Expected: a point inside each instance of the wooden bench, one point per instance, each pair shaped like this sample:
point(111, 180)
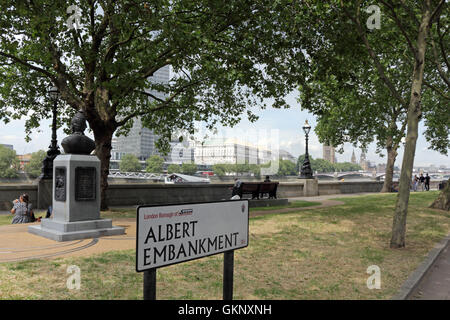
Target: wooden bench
point(258, 189)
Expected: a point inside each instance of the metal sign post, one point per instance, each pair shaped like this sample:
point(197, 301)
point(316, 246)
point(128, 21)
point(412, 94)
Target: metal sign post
point(150, 284)
point(228, 270)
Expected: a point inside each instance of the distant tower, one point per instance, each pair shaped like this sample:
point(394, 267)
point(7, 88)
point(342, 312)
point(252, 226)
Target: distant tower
point(328, 153)
point(362, 158)
point(353, 157)
point(363, 162)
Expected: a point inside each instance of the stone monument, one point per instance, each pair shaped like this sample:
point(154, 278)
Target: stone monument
point(76, 191)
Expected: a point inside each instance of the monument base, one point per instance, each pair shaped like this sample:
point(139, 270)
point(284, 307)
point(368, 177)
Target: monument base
point(310, 187)
point(68, 231)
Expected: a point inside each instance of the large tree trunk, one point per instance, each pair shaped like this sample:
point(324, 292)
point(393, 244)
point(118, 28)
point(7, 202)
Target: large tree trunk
point(103, 151)
point(101, 119)
point(413, 117)
point(391, 156)
point(443, 200)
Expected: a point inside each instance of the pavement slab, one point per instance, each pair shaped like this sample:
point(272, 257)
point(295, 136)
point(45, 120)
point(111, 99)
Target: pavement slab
point(17, 244)
point(435, 285)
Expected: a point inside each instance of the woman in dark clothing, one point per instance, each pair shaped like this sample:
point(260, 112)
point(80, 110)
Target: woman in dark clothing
point(427, 182)
point(422, 181)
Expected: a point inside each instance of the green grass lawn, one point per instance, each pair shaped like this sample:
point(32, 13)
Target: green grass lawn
point(5, 219)
point(310, 254)
point(292, 204)
point(128, 212)
point(131, 213)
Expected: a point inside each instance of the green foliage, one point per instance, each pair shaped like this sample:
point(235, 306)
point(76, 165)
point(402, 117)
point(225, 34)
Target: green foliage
point(287, 168)
point(360, 99)
point(241, 168)
point(9, 165)
point(346, 166)
point(188, 168)
point(225, 55)
point(173, 168)
point(34, 167)
point(154, 164)
point(130, 163)
point(255, 170)
point(220, 169)
point(321, 165)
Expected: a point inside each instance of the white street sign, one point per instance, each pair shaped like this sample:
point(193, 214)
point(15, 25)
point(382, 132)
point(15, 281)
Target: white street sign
point(176, 233)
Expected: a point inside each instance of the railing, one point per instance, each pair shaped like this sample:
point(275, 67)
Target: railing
point(135, 175)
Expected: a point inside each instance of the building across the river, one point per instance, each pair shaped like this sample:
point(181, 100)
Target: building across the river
point(231, 150)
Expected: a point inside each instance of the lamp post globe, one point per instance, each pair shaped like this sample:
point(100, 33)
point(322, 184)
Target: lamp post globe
point(305, 170)
point(53, 93)
point(306, 128)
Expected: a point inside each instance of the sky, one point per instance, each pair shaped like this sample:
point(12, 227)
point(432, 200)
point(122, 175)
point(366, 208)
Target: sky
point(281, 125)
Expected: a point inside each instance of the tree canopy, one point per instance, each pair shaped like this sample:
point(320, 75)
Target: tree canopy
point(358, 80)
point(130, 163)
point(154, 164)
point(9, 165)
point(372, 64)
point(224, 57)
point(173, 168)
point(322, 165)
point(287, 168)
point(189, 168)
point(34, 167)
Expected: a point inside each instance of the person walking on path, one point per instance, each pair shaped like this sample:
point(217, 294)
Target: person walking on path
point(415, 181)
point(422, 181)
point(427, 182)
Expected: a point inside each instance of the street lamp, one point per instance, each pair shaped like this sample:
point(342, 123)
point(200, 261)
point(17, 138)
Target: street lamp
point(53, 149)
point(306, 171)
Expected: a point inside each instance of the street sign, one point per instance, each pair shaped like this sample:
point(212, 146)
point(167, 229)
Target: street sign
point(177, 233)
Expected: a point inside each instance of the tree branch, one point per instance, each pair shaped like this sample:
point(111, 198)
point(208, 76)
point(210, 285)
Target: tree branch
point(28, 65)
point(438, 91)
point(438, 65)
point(140, 113)
point(410, 12)
point(373, 55)
point(164, 103)
point(400, 26)
point(436, 11)
point(441, 43)
point(148, 94)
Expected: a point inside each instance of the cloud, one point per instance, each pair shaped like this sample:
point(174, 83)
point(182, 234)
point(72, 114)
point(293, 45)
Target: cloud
point(9, 138)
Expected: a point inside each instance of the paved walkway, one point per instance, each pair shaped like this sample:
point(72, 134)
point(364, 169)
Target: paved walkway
point(435, 285)
point(16, 244)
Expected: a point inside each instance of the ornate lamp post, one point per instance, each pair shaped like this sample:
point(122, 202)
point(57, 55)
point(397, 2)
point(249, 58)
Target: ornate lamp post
point(306, 171)
point(53, 149)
